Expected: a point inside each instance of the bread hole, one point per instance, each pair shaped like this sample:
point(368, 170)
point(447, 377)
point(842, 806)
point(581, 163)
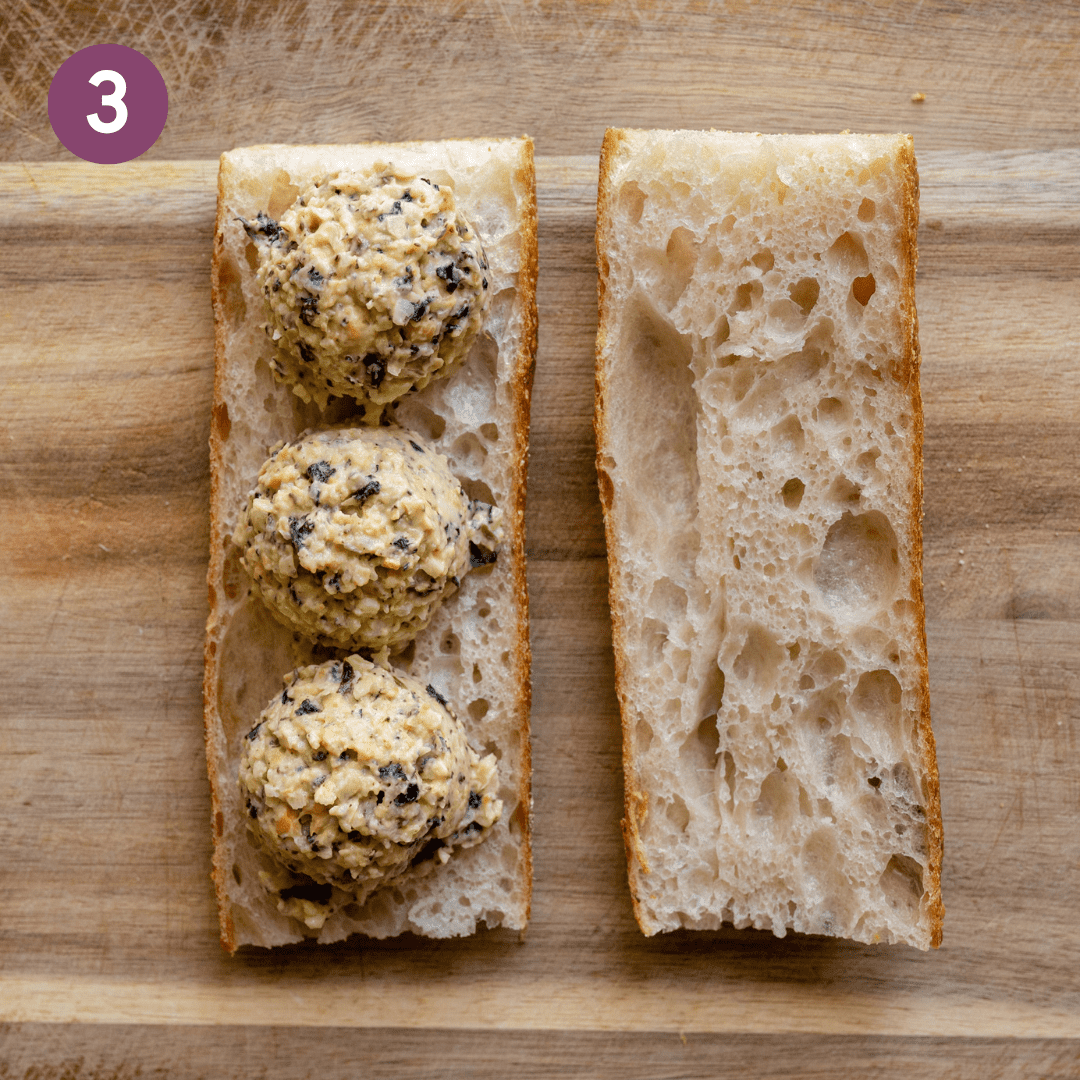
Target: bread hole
point(464, 901)
point(283, 193)
point(747, 296)
point(862, 288)
point(792, 493)
point(902, 883)
point(788, 435)
point(847, 257)
point(808, 362)
point(656, 380)
point(476, 675)
point(351, 911)
point(251, 257)
point(468, 452)
point(232, 577)
point(723, 331)
point(806, 807)
point(697, 756)
point(681, 255)
point(858, 566)
point(867, 210)
point(667, 601)
point(492, 747)
point(232, 291)
point(477, 490)
point(632, 201)
point(877, 700)
point(679, 662)
point(725, 766)
point(728, 224)
point(425, 421)
point(736, 562)
point(483, 612)
point(450, 643)
point(820, 861)
point(838, 760)
point(651, 637)
point(490, 432)
point(743, 378)
point(793, 651)
point(759, 660)
point(903, 781)
point(763, 260)
point(805, 293)
point(778, 798)
point(643, 736)
point(677, 813)
point(831, 411)
point(478, 709)
point(844, 492)
point(237, 876)
point(867, 460)
point(806, 682)
point(874, 782)
point(784, 319)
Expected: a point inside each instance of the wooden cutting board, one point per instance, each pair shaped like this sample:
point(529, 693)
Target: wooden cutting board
point(108, 936)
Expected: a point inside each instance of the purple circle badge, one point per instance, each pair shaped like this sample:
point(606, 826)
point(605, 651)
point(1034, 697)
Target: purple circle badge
point(108, 103)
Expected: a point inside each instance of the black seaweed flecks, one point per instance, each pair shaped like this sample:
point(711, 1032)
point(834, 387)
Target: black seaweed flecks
point(361, 495)
point(479, 557)
point(409, 795)
point(299, 530)
point(320, 471)
point(347, 674)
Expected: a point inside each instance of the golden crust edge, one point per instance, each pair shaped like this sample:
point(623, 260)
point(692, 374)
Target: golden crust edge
point(635, 800)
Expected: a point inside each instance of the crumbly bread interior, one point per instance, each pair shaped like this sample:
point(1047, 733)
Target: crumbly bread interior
point(475, 652)
point(759, 430)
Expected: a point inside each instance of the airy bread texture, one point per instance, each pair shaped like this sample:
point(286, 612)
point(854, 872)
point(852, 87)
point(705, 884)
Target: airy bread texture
point(475, 652)
point(759, 449)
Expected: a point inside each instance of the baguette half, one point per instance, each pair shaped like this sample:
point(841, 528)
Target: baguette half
point(475, 652)
point(759, 450)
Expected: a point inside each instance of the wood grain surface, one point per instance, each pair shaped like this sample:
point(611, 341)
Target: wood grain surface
point(109, 963)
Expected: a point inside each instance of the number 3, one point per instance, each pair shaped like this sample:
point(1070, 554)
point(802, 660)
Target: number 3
point(115, 100)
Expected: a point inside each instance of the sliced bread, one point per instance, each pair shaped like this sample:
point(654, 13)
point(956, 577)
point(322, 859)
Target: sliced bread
point(759, 449)
point(475, 652)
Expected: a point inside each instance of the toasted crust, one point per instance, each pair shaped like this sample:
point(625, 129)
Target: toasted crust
point(640, 788)
point(488, 173)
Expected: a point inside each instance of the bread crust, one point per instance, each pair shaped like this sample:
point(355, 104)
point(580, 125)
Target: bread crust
point(636, 787)
point(223, 589)
point(635, 799)
point(910, 373)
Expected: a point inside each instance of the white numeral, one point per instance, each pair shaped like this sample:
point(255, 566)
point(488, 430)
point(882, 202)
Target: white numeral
point(115, 100)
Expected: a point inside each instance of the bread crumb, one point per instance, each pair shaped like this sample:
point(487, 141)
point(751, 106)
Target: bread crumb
point(918, 98)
